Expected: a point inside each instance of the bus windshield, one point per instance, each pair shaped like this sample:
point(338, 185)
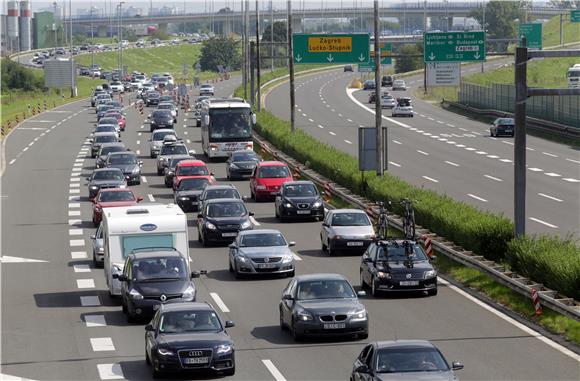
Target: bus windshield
point(230, 125)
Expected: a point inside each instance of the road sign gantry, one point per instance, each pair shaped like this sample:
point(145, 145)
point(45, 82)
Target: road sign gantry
point(454, 46)
point(331, 48)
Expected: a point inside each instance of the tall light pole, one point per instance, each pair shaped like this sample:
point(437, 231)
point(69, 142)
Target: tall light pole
point(73, 88)
point(92, 39)
point(378, 111)
point(120, 37)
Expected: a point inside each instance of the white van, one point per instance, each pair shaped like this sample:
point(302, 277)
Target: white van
point(574, 77)
point(138, 227)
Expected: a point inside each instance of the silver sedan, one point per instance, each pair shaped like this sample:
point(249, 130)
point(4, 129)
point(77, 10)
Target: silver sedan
point(264, 251)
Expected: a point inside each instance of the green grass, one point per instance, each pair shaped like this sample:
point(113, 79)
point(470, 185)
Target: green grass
point(551, 32)
point(436, 94)
point(473, 278)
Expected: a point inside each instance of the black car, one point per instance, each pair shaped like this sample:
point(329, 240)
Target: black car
point(154, 276)
point(241, 164)
point(299, 199)
point(152, 98)
point(369, 84)
point(397, 266)
point(212, 192)
point(323, 305)
point(187, 191)
point(105, 178)
point(502, 126)
point(105, 150)
point(348, 68)
point(387, 80)
point(161, 119)
point(221, 219)
point(189, 337)
point(169, 170)
point(128, 163)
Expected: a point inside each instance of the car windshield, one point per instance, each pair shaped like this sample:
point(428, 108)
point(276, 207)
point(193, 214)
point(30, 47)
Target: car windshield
point(226, 209)
point(108, 175)
point(274, 171)
point(245, 156)
point(162, 114)
point(505, 121)
point(107, 150)
point(396, 253)
point(324, 289)
point(189, 321)
point(192, 184)
point(404, 360)
point(108, 121)
point(151, 269)
point(221, 193)
point(105, 128)
point(161, 135)
point(153, 95)
point(126, 158)
point(262, 240)
point(174, 150)
point(165, 107)
point(230, 123)
point(300, 190)
point(174, 162)
point(350, 219)
point(116, 196)
point(105, 139)
point(197, 170)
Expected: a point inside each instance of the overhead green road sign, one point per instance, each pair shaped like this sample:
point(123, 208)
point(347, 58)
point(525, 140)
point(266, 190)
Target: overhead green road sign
point(386, 53)
point(453, 46)
point(533, 34)
point(331, 48)
point(575, 15)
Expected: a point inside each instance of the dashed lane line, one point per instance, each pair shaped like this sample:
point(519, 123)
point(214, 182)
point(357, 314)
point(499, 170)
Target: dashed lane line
point(331, 133)
point(95, 321)
point(78, 254)
point(110, 371)
point(220, 303)
point(549, 154)
point(90, 301)
point(573, 161)
point(397, 142)
point(395, 164)
point(347, 141)
point(571, 180)
point(493, 178)
point(423, 152)
point(101, 344)
point(85, 283)
point(477, 197)
point(543, 223)
point(320, 126)
point(81, 268)
point(550, 197)
point(430, 179)
point(273, 370)
point(151, 198)
point(144, 179)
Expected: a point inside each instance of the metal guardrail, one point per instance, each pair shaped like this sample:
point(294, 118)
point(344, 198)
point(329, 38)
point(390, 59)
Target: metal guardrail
point(520, 284)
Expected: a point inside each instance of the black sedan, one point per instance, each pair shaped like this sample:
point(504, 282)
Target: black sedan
point(241, 164)
point(105, 178)
point(152, 277)
point(128, 163)
point(186, 193)
point(160, 119)
point(221, 220)
point(152, 98)
point(105, 150)
point(211, 192)
point(397, 265)
point(189, 337)
point(299, 199)
point(323, 305)
point(502, 126)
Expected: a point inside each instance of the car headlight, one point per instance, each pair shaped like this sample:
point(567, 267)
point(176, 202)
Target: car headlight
point(242, 258)
point(287, 205)
point(246, 224)
point(210, 226)
point(224, 349)
point(384, 275)
point(135, 294)
point(287, 259)
point(317, 204)
point(189, 293)
point(430, 274)
point(361, 314)
point(136, 170)
point(101, 250)
point(183, 198)
point(260, 187)
point(305, 315)
point(233, 165)
point(94, 187)
point(122, 186)
point(165, 352)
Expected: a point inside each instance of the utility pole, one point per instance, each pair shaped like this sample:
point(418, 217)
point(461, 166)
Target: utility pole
point(247, 26)
point(121, 36)
point(252, 88)
point(258, 54)
point(291, 67)
point(561, 29)
point(244, 48)
point(272, 35)
point(378, 111)
point(483, 27)
point(521, 63)
point(92, 39)
point(73, 89)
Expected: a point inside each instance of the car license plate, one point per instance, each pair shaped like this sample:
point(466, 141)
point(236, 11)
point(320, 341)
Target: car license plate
point(303, 212)
point(196, 360)
point(273, 193)
point(267, 265)
point(354, 244)
point(335, 326)
point(194, 203)
point(229, 234)
point(409, 283)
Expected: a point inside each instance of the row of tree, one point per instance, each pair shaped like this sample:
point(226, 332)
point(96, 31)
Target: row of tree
point(18, 77)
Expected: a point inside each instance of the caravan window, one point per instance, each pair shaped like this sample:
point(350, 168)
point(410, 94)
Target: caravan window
point(133, 242)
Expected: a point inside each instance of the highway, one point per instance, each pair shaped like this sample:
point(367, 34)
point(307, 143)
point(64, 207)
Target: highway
point(441, 150)
point(58, 322)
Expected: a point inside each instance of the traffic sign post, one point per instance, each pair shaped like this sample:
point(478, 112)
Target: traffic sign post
point(575, 15)
point(533, 34)
point(330, 48)
point(453, 46)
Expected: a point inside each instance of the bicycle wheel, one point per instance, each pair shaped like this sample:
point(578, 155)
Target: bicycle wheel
point(412, 225)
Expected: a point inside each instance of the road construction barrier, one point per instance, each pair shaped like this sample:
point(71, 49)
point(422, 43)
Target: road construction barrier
point(536, 302)
point(17, 119)
point(141, 108)
point(297, 174)
point(427, 245)
point(45, 108)
point(327, 196)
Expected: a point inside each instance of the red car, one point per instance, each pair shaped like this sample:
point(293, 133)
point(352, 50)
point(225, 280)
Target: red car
point(110, 198)
point(267, 179)
point(120, 119)
point(186, 168)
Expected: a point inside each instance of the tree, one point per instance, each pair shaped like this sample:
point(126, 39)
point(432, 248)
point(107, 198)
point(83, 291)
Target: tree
point(500, 17)
point(220, 50)
point(280, 31)
point(18, 77)
point(406, 63)
point(565, 4)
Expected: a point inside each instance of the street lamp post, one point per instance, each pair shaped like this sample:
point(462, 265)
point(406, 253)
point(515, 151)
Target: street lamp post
point(92, 39)
point(120, 38)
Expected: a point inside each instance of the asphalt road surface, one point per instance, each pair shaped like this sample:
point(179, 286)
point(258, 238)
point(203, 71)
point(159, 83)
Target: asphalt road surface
point(58, 322)
point(441, 150)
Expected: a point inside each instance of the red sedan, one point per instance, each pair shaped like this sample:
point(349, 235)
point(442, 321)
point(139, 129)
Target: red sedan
point(110, 198)
point(186, 168)
point(120, 119)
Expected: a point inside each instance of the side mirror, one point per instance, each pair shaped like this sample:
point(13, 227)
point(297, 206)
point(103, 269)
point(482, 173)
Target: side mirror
point(324, 224)
point(199, 215)
point(250, 214)
point(232, 245)
point(195, 274)
point(93, 237)
point(206, 120)
point(191, 153)
point(432, 258)
point(456, 365)
point(253, 118)
point(291, 243)
point(149, 328)
point(245, 198)
point(362, 369)
point(361, 293)
point(230, 324)
point(287, 297)
point(140, 163)
point(367, 259)
point(139, 199)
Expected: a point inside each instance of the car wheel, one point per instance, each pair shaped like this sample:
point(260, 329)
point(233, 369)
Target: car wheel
point(198, 236)
point(432, 292)
point(282, 324)
point(95, 223)
point(491, 132)
point(159, 173)
point(330, 250)
point(230, 266)
point(363, 336)
point(147, 360)
point(124, 305)
point(374, 291)
point(513, 134)
point(138, 182)
point(155, 369)
point(362, 282)
point(276, 212)
point(291, 274)
point(324, 248)
point(152, 155)
point(295, 334)
point(237, 273)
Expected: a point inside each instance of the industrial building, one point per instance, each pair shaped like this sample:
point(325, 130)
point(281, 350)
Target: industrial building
point(17, 27)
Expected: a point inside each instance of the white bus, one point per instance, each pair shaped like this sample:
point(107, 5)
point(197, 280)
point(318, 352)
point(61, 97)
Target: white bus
point(140, 227)
point(226, 126)
point(574, 77)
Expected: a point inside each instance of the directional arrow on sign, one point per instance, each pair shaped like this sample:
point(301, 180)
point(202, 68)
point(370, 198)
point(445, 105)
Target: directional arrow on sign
point(476, 55)
point(8, 259)
point(432, 56)
point(361, 58)
point(298, 58)
point(330, 58)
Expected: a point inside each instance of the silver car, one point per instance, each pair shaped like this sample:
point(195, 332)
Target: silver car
point(169, 149)
point(346, 230)
point(399, 84)
point(263, 251)
point(98, 247)
point(387, 101)
point(156, 141)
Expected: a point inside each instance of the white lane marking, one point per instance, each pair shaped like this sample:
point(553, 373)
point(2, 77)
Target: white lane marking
point(95, 321)
point(430, 179)
point(493, 156)
point(550, 197)
point(25, 149)
point(139, 133)
point(534, 169)
point(552, 174)
point(505, 160)
point(470, 149)
point(142, 126)
point(320, 126)
point(110, 371)
point(75, 222)
point(460, 146)
point(450, 125)
point(310, 120)
point(185, 133)
point(571, 180)
point(304, 115)
point(77, 164)
point(481, 153)
point(492, 178)
point(423, 152)
point(476, 133)
point(340, 115)
point(85, 283)
point(463, 129)
point(331, 133)
point(273, 370)
point(440, 122)
point(220, 303)
point(30, 144)
point(422, 115)
point(74, 191)
point(397, 142)
point(549, 154)
point(450, 142)
point(253, 220)
point(477, 197)
point(350, 120)
point(12, 161)
point(72, 213)
point(77, 242)
point(144, 179)
point(452, 163)
point(347, 141)
point(543, 223)
point(395, 164)
point(78, 254)
point(90, 301)
point(138, 142)
point(74, 179)
point(530, 149)
point(74, 185)
point(75, 232)
point(101, 344)
point(151, 198)
point(138, 152)
point(81, 268)
point(510, 143)
point(79, 160)
point(573, 161)
point(431, 118)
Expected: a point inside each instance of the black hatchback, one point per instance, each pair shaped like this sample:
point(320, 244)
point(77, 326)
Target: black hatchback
point(299, 199)
point(221, 220)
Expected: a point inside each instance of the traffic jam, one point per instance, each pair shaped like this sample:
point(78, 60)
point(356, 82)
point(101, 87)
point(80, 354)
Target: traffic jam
point(144, 244)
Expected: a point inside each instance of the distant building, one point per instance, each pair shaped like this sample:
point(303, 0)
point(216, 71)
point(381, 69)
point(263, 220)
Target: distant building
point(44, 30)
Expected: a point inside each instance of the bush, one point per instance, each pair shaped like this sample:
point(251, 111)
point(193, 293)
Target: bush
point(220, 51)
point(550, 260)
point(18, 77)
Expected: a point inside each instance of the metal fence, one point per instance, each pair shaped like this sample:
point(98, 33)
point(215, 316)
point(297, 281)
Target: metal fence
point(563, 110)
